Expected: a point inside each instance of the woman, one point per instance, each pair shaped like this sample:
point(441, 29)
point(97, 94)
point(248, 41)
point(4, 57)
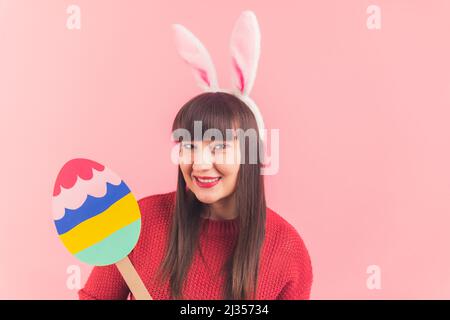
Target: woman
point(214, 238)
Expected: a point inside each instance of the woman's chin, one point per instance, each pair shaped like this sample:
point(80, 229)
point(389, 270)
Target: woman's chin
point(206, 198)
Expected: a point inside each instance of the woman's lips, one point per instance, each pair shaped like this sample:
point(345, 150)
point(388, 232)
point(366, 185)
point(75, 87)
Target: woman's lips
point(206, 182)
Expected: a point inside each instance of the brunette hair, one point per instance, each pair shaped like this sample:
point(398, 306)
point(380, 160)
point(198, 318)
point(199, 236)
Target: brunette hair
point(222, 111)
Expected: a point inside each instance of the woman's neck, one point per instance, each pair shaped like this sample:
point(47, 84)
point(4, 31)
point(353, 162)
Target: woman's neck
point(224, 209)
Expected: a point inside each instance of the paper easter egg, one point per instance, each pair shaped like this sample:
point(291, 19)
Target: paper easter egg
point(96, 216)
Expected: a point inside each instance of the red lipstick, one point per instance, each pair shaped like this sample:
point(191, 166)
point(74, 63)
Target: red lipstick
point(206, 182)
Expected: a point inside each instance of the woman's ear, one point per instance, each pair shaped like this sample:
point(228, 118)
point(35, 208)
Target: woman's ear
point(245, 51)
point(194, 53)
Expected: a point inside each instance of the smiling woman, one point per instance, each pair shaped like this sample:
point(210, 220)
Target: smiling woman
point(203, 168)
point(214, 238)
point(204, 172)
point(218, 191)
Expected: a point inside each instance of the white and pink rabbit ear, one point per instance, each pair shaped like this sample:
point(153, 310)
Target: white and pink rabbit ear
point(245, 50)
point(194, 53)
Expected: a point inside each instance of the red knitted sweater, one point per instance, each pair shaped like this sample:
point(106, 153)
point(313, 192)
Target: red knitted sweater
point(285, 266)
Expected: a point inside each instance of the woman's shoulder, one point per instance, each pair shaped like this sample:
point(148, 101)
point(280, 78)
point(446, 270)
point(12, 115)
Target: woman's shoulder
point(157, 200)
point(157, 205)
point(287, 237)
point(276, 223)
point(155, 222)
point(288, 247)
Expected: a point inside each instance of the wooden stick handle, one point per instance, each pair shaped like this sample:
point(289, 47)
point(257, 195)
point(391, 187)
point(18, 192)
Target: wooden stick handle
point(133, 280)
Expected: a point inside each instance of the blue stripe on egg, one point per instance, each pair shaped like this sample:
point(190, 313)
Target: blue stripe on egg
point(91, 207)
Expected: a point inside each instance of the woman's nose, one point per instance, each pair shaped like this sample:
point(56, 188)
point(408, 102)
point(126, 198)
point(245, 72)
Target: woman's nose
point(203, 159)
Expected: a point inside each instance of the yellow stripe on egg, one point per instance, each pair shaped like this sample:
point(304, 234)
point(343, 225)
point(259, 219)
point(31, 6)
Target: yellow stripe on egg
point(122, 213)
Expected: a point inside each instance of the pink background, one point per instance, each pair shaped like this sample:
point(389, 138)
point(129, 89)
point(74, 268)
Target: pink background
point(363, 117)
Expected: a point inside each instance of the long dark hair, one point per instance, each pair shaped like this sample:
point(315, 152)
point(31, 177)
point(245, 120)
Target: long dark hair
point(221, 111)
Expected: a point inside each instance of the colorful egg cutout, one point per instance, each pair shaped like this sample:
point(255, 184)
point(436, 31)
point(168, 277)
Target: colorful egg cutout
point(96, 216)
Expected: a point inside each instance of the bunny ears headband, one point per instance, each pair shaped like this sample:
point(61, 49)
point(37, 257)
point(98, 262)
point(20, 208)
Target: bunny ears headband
point(245, 50)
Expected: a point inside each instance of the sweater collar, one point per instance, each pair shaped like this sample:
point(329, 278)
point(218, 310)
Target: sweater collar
point(213, 227)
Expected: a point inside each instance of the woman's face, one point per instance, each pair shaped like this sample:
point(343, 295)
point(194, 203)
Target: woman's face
point(210, 168)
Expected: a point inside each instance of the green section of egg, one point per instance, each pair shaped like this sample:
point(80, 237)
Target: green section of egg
point(113, 248)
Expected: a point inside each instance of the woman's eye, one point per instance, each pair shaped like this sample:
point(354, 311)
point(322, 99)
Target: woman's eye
point(220, 146)
point(188, 146)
